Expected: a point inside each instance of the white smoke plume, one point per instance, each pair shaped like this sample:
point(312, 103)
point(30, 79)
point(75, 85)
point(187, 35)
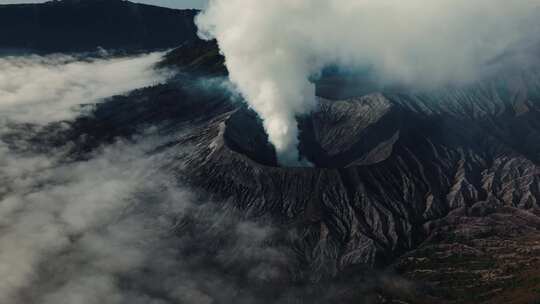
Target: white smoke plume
point(273, 48)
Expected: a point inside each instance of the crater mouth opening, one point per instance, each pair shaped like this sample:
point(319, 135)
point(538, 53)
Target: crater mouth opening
point(339, 135)
point(245, 134)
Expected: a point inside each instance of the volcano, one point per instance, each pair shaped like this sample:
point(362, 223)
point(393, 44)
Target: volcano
point(437, 188)
point(413, 196)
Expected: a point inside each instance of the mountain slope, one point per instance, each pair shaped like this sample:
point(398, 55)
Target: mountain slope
point(445, 170)
point(84, 25)
point(441, 188)
point(421, 197)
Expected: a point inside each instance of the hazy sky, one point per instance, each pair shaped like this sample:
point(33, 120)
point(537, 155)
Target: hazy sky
point(168, 3)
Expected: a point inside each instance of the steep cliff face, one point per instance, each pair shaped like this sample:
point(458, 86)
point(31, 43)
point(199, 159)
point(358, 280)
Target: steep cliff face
point(391, 171)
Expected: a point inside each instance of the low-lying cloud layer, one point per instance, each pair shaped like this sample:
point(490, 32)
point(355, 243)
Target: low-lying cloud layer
point(273, 48)
point(113, 225)
point(119, 229)
point(45, 89)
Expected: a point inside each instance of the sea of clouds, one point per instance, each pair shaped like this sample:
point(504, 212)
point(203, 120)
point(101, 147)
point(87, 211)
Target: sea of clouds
point(114, 226)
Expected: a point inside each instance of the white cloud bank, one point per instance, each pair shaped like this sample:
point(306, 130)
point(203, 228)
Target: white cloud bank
point(115, 227)
point(45, 89)
point(59, 220)
point(272, 48)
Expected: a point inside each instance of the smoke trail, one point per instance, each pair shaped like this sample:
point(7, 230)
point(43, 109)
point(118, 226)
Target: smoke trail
point(273, 48)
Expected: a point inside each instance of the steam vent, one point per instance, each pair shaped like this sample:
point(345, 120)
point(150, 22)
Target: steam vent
point(339, 134)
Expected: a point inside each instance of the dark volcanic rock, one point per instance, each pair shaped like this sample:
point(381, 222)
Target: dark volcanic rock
point(391, 170)
point(430, 185)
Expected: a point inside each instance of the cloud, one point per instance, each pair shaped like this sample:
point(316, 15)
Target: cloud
point(116, 226)
point(42, 89)
point(274, 48)
point(49, 208)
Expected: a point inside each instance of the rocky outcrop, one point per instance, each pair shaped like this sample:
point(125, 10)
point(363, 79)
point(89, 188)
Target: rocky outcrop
point(390, 169)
